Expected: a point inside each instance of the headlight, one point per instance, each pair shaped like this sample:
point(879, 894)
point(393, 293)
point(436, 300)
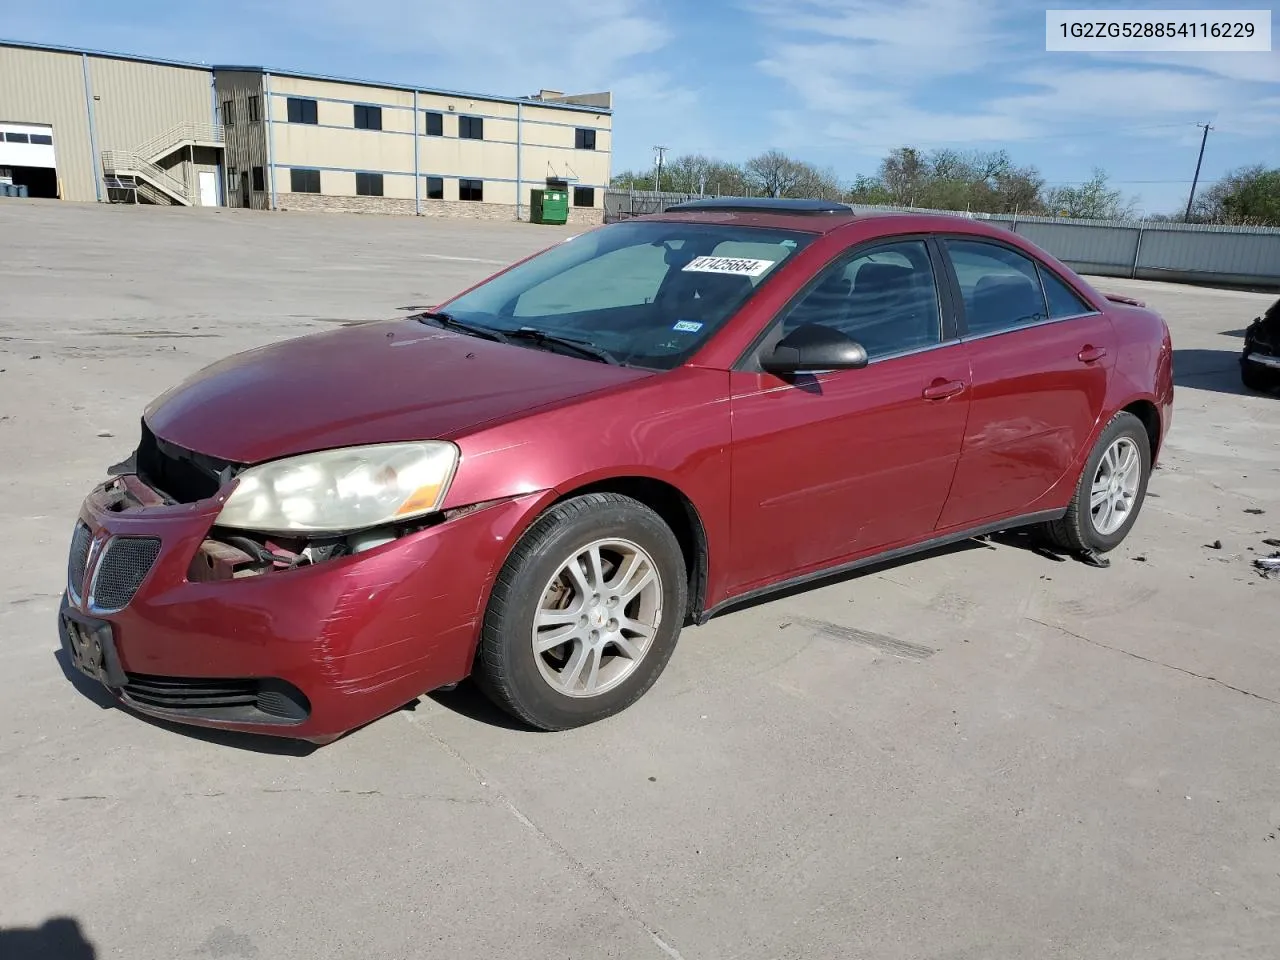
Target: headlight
point(336, 491)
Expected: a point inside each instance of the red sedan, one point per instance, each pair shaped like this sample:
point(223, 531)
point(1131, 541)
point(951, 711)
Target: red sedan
point(544, 480)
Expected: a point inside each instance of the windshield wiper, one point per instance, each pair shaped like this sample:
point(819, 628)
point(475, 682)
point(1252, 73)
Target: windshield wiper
point(449, 322)
point(583, 348)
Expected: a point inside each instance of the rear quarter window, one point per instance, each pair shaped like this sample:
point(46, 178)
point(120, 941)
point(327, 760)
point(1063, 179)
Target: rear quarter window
point(1063, 301)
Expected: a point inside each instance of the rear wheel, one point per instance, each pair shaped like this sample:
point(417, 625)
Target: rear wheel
point(1110, 492)
point(585, 613)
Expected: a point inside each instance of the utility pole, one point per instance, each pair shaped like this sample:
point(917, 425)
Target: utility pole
point(659, 154)
point(1196, 179)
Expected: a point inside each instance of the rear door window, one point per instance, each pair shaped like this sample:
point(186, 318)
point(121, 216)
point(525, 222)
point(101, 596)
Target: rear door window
point(1000, 288)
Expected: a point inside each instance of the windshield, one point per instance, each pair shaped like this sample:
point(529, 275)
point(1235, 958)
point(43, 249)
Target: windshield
point(650, 293)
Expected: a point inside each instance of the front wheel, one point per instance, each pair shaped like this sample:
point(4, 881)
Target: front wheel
point(585, 613)
point(1110, 492)
point(1257, 377)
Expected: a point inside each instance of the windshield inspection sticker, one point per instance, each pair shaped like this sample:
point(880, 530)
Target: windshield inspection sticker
point(687, 326)
point(739, 266)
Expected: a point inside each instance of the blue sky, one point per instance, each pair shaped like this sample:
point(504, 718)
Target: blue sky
point(836, 82)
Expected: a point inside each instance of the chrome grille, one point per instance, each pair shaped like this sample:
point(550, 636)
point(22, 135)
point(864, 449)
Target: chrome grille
point(120, 572)
point(81, 541)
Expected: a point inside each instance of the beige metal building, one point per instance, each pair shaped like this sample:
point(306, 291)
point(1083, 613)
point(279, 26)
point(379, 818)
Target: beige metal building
point(133, 129)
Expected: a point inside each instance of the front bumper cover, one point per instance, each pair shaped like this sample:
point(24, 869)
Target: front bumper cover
point(358, 636)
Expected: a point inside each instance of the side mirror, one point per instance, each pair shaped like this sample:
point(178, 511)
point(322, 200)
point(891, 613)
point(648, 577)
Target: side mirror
point(811, 348)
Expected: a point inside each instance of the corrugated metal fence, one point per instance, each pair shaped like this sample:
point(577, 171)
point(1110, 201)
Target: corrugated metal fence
point(1145, 250)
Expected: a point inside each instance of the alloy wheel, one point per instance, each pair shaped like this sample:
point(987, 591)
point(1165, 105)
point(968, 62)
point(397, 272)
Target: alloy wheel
point(597, 618)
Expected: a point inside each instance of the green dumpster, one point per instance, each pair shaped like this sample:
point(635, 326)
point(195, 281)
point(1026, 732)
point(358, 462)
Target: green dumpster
point(549, 206)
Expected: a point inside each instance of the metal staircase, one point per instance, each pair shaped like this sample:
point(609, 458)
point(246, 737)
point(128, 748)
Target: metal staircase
point(182, 135)
point(133, 176)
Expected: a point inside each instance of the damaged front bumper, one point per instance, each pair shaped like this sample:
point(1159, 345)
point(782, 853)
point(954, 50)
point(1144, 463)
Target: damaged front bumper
point(1261, 353)
point(178, 626)
point(1262, 360)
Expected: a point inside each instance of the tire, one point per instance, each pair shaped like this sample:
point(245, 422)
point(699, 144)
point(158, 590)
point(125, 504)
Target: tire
point(1080, 531)
point(549, 577)
point(1257, 378)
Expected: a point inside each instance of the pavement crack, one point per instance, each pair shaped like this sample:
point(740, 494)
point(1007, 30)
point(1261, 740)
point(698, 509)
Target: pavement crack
point(1158, 663)
point(558, 848)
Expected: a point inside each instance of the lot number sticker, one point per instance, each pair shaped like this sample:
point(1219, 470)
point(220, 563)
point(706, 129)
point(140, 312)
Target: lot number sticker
point(739, 266)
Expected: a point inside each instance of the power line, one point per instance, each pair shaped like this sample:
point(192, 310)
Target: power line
point(1062, 183)
point(1014, 141)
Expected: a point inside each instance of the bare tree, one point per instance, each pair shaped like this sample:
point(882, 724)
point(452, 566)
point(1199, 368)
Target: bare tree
point(774, 173)
point(903, 172)
point(1091, 200)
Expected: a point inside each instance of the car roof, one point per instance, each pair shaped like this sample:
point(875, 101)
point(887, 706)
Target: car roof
point(816, 217)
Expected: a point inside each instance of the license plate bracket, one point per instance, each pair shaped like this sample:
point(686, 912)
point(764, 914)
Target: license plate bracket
point(91, 648)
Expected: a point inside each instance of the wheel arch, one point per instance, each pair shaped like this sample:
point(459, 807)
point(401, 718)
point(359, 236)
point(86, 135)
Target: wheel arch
point(677, 511)
point(1146, 410)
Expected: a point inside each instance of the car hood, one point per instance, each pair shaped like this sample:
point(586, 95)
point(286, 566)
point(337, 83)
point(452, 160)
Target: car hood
point(371, 383)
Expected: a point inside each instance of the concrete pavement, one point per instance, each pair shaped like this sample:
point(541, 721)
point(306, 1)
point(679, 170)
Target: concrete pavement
point(1044, 760)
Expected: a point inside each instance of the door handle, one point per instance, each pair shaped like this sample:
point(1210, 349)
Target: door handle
point(1091, 354)
point(941, 389)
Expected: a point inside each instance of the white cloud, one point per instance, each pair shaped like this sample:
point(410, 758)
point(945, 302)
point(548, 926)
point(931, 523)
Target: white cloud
point(895, 40)
point(506, 46)
point(867, 74)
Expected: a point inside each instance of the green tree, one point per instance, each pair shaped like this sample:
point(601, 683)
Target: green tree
point(869, 190)
point(1245, 196)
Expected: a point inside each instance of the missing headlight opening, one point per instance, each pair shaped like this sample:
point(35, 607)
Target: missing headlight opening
point(232, 555)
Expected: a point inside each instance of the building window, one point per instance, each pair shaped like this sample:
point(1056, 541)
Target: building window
point(470, 189)
point(435, 124)
point(302, 111)
point(255, 111)
point(260, 179)
point(584, 139)
point(228, 113)
point(43, 138)
point(17, 138)
point(584, 196)
point(368, 184)
point(471, 128)
point(304, 181)
point(435, 187)
point(368, 118)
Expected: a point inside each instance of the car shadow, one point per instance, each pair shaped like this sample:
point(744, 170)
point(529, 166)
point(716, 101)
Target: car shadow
point(58, 938)
point(467, 700)
point(1216, 370)
point(1238, 334)
point(1018, 539)
point(252, 743)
